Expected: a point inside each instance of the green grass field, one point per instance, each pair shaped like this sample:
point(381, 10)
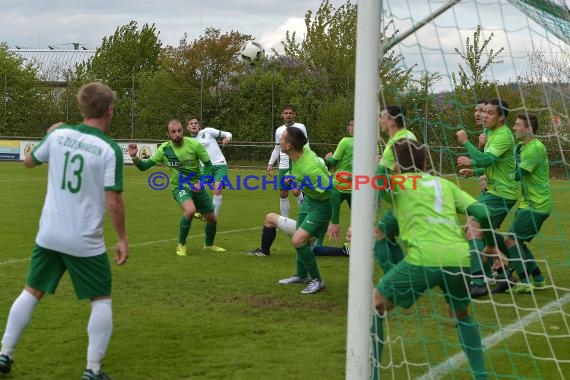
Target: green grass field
point(223, 316)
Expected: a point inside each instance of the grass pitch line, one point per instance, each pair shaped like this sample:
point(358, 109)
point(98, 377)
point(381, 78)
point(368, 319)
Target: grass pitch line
point(459, 359)
point(15, 261)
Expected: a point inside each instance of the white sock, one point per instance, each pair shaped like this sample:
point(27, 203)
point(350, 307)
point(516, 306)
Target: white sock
point(284, 206)
point(217, 204)
point(299, 199)
point(18, 318)
point(99, 330)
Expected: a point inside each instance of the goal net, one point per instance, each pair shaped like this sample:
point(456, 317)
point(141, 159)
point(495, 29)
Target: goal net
point(458, 53)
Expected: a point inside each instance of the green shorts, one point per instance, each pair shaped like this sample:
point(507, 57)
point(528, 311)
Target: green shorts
point(337, 197)
point(389, 225)
point(527, 223)
point(314, 216)
point(201, 198)
point(405, 283)
point(281, 178)
point(91, 276)
point(215, 173)
point(498, 207)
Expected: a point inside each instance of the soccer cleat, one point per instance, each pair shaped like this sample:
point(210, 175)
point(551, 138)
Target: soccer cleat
point(476, 291)
point(199, 216)
point(294, 280)
point(257, 252)
point(5, 363)
point(539, 285)
point(314, 287)
point(181, 249)
point(89, 375)
point(346, 249)
point(503, 285)
point(213, 248)
point(521, 287)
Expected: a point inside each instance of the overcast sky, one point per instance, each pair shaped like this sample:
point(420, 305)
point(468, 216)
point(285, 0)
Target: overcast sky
point(59, 23)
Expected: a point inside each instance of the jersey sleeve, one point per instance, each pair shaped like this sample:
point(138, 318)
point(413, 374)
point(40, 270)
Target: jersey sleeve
point(339, 151)
point(114, 169)
point(531, 158)
point(202, 152)
point(461, 199)
point(213, 132)
point(500, 145)
point(40, 153)
point(277, 149)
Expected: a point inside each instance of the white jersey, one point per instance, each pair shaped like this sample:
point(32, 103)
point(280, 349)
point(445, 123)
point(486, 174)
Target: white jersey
point(208, 138)
point(83, 164)
point(283, 158)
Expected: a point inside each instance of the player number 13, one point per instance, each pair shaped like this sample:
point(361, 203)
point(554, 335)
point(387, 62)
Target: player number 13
point(76, 163)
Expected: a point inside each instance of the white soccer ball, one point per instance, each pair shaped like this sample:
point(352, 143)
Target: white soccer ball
point(251, 52)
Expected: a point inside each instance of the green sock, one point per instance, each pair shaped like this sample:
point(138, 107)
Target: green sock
point(306, 255)
point(184, 229)
point(470, 340)
point(476, 247)
point(531, 266)
point(516, 261)
point(301, 270)
point(210, 231)
point(377, 345)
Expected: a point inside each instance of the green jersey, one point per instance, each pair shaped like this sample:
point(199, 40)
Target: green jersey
point(343, 154)
point(501, 175)
point(184, 159)
point(388, 160)
point(312, 176)
point(535, 183)
point(426, 207)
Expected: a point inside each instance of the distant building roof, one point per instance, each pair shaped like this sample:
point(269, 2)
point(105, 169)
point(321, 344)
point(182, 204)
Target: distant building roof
point(54, 65)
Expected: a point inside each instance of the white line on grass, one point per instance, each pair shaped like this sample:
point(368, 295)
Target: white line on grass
point(459, 359)
point(147, 243)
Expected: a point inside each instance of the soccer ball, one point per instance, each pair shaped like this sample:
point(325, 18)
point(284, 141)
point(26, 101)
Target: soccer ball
point(251, 52)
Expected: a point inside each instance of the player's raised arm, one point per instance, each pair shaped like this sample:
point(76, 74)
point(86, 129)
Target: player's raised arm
point(143, 164)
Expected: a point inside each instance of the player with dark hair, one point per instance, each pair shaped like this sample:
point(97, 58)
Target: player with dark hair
point(215, 174)
point(284, 164)
point(437, 254)
point(387, 251)
point(308, 170)
point(497, 162)
point(535, 205)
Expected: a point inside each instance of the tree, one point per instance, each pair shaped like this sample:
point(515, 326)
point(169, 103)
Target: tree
point(23, 97)
point(329, 44)
point(119, 62)
point(127, 52)
point(477, 62)
point(202, 67)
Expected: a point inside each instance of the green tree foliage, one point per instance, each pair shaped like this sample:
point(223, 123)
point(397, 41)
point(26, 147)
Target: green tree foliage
point(192, 79)
point(23, 98)
point(328, 50)
point(127, 52)
point(123, 57)
point(329, 44)
point(470, 82)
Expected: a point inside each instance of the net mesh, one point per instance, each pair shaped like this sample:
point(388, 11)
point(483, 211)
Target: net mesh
point(517, 51)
